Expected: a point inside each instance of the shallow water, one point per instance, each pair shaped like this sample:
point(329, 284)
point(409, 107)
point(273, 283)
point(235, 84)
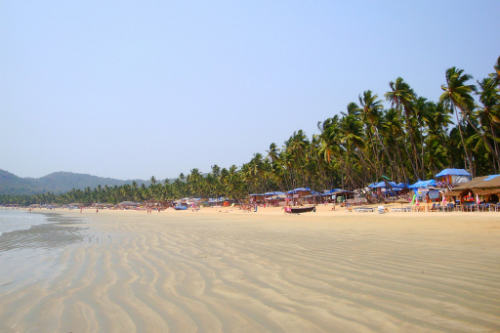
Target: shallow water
point(12, 220)
point(31, 245)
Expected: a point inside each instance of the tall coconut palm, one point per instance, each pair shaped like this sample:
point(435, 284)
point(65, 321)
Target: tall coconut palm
point(458, 94)
point(489, 113)
point(495, 77)
point(372, 112)
point(401, 98)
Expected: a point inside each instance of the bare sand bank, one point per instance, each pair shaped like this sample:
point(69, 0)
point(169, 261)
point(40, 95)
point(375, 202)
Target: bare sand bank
point(210, 271)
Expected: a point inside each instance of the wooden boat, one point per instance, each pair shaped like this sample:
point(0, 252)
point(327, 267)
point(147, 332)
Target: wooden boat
point(298, 210)
point(180, 207)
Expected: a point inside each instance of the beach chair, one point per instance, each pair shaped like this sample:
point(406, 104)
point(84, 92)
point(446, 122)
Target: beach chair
point(381, 209)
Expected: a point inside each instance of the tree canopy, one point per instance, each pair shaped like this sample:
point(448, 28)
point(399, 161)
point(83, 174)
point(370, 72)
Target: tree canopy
point(412, 139)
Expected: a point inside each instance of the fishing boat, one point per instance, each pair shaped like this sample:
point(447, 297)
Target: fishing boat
point(298, 210)
point(179, 207)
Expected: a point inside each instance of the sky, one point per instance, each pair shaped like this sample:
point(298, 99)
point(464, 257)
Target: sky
point(130, 89)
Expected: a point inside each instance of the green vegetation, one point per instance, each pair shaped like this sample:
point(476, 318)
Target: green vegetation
point(414, 138)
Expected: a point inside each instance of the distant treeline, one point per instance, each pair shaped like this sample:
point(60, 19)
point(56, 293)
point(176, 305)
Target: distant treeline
point(414, 139)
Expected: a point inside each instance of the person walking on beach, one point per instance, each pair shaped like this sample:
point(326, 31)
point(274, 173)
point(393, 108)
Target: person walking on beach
point(81, 209)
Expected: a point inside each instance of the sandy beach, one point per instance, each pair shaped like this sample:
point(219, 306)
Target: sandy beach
point(208, 271)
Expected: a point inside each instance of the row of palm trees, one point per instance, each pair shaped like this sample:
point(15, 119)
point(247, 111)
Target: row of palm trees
point(413, 139)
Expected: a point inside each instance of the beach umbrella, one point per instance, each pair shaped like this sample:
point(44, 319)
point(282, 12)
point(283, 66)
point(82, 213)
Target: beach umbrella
point(401, 201)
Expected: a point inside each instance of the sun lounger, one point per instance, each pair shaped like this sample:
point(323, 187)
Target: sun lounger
point(364, 210)
point(382, 210)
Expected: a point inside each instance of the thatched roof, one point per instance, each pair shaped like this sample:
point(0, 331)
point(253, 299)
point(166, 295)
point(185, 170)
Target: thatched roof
point(488, 192)
point(452, 193)
point(486, 182)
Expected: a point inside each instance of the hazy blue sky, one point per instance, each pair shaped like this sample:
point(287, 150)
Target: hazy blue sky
point(130, 89)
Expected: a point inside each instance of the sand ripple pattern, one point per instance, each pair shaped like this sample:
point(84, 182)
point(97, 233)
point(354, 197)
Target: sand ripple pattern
point(203, 275)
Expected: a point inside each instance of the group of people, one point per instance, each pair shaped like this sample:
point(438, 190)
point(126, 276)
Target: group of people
point(249, 207)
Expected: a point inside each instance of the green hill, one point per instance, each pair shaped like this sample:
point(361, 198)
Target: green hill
point(57, 182)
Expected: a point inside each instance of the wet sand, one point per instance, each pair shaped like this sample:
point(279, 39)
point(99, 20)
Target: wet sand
point(259, 272)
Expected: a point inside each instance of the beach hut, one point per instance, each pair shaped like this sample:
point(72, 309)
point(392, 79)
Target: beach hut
point(345, 196)
point(215, 201)
point(487, 188)
point(298, 193)
point(426, 190)
point(452, 177)
point(423, 184)
point(314, 197)
point(104, 205)
point(388, 188)
point(273, 193)
point(275, 198)
point(257, 197)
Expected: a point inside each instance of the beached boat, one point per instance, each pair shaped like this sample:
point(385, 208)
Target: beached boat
point(180, 207)
point(298, 210)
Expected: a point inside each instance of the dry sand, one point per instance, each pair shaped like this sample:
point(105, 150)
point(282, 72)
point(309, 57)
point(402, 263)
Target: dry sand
point(207, 271)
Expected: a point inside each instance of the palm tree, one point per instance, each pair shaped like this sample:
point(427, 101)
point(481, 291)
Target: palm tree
point(495, 77)
point(489, 114)
point(458, 94)
point(273, 152)
point(401, 98)
point(372, 112)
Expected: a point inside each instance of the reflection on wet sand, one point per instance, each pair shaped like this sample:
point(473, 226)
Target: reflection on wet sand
point(59, 232)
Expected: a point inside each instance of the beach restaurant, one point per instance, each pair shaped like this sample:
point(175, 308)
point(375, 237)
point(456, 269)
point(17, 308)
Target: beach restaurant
point(483, 189)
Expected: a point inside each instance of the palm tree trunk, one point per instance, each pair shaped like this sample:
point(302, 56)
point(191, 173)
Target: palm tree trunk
point(415, 173)
point(401, 163)
point(495, 143)
point(485, 140)
point(384, 148)
point(469, 159)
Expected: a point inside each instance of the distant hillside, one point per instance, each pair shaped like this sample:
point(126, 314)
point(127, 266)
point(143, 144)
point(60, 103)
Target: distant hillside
point(57, 182)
